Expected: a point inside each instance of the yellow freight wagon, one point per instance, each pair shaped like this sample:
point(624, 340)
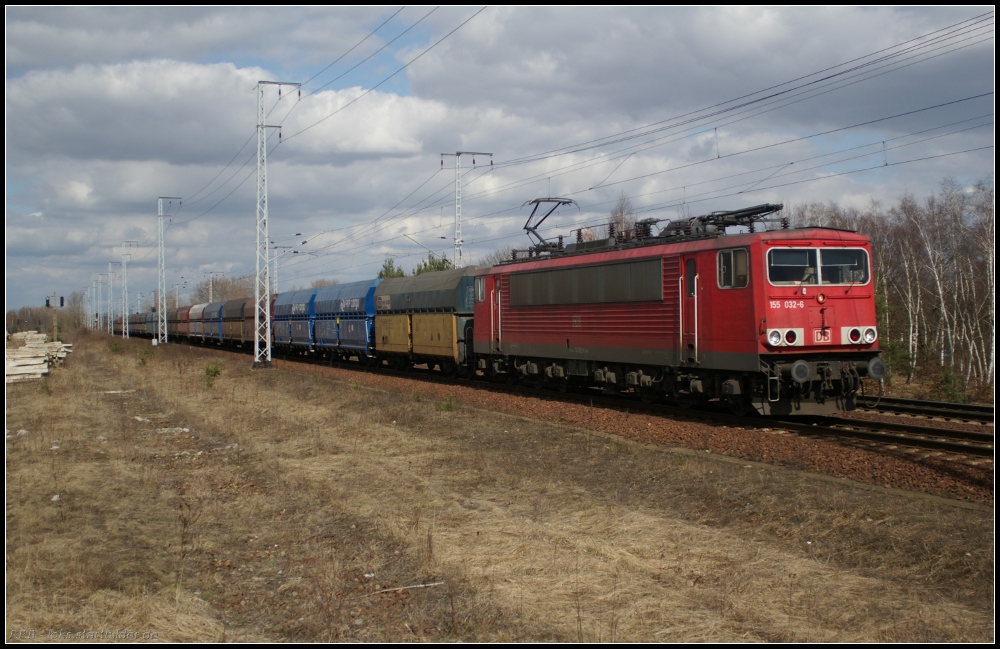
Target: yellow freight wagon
point(426, 319)
point(392, 334)
point(434, 335)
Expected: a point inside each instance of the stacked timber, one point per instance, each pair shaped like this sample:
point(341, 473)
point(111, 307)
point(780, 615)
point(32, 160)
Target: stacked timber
point(28, 356)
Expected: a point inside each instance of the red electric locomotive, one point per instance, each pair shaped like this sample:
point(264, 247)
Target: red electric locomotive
point(779, 321)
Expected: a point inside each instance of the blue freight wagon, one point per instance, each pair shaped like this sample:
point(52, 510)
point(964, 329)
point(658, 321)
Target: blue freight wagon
point(294, 319)
point(345, 319)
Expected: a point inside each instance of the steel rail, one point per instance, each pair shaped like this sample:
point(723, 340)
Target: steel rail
point(978, 444)
point(944, 410)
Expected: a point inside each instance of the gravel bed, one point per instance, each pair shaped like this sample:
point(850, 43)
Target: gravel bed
point(922, 471)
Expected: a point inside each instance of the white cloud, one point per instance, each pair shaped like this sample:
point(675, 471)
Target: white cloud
point(109, 108)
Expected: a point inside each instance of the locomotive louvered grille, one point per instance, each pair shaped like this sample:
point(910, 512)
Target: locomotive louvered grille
point(612, 321)
point(652, 319)
point(671, 296)
point(636, 281)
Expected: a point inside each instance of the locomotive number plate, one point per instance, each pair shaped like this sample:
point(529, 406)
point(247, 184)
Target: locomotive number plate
point(788, 304)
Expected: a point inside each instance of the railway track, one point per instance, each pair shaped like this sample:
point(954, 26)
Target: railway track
point(959, 442)
point(930, 409)
point(962, 444)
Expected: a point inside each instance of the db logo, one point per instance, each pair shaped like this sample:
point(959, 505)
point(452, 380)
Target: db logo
point(821, 335)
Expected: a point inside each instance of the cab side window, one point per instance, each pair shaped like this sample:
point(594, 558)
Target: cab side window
point(733, 268)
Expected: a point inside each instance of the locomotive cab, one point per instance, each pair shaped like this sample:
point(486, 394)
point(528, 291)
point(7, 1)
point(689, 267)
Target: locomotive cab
point(818, 335)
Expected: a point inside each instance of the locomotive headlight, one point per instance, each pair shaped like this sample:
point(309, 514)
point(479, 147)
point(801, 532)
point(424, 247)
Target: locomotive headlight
point(821, 298)
point(855, 335)
point(774, 337)
point(790, 337)
point(870, 335)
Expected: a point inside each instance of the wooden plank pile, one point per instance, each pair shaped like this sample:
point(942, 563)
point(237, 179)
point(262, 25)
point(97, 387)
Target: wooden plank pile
point(28, 356)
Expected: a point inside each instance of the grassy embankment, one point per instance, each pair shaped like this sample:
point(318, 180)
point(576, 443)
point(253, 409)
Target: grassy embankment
point(176, 491)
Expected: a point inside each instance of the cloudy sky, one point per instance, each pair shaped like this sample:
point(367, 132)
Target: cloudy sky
point(684, 111)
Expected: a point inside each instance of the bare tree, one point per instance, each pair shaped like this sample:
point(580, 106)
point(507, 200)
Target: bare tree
point(222, 288)
point(499, 255)
point(904, 270)
point(984, 239)
point(621, 223)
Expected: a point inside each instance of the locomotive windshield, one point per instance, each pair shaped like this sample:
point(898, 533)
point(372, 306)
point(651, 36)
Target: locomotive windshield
point(844, 266)
point(796, 266)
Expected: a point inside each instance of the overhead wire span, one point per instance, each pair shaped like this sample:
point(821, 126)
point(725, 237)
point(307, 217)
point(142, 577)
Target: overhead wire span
point(975, 20)
point(370, 56)
point(688, 201)
point(776, 169)
point(586, 163)
point(193, 200)
point(749, 110)
point(355, 46)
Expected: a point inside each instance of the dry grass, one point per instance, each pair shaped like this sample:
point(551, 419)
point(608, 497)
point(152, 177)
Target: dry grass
point(293, 504)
